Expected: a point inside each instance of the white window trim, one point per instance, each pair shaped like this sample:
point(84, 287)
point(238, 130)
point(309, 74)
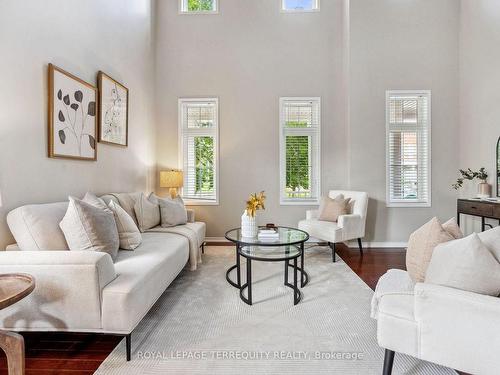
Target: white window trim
point(414, 204)
point(184, 10)
point(315, 9)
point(282, 160)
point(199, 202)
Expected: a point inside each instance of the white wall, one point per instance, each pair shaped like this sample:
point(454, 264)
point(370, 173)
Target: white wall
point(479, 89)
point(411, 44)
point(81, 37)
point(249, 55)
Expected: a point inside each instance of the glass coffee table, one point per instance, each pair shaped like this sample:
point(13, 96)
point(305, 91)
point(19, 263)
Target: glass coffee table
point(287, 248)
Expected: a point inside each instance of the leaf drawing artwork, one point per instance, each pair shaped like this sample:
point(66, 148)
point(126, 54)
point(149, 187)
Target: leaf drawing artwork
point(72, 127)
point(113, 111)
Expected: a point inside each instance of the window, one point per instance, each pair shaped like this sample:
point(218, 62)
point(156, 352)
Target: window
point(408, 148)
point(299, 5)
point(198, 138)
point(300, 150)
point(198, 6)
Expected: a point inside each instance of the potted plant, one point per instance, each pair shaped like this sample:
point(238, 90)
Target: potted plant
point(483, 190)
point(249, 226)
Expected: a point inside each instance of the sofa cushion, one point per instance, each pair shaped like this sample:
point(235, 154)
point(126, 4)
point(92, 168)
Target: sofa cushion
point(394, 281)
point(36, 226)
point(421, 245)
point(143, 275)
point(126, 200)
point(465, 264)
point(322, 230)
point(90, 228)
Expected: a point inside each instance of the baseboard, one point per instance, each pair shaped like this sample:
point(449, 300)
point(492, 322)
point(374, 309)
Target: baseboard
point(353, 244)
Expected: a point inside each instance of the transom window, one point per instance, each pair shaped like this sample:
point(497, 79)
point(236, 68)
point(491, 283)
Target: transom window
point(408, 148)
point(198, 6)
point(299, 5)
point(198, 138)
point(300, 150)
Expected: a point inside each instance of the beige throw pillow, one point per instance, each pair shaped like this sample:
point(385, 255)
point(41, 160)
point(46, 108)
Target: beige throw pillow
point(89, 228)
point(452, 228)
point(147, 212)
point(465, 264)
point(421, 245)
point(95, 201)
point(172, 212)
point(128, 233)
point(330, 209)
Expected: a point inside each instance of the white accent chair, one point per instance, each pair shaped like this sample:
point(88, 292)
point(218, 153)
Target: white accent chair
point(348, 227)
point(435, 323)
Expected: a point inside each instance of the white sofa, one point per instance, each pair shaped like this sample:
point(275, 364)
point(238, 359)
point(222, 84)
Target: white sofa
point(447, 326)
point(348, 227)
point(83, 291)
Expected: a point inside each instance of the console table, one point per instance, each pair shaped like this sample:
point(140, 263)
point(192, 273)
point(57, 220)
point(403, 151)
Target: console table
point(483, 209)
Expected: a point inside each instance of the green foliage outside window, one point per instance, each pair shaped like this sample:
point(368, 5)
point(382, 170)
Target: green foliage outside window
point(297, 162)
point(197, 5)
point(204, 160)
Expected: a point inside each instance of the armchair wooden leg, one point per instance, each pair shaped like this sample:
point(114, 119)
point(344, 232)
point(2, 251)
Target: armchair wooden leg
point(388, 362)
point(13, 346)
point(332, 246)
point(360, 246)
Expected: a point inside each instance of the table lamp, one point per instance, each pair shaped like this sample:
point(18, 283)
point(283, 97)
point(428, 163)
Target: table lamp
point(172, 180)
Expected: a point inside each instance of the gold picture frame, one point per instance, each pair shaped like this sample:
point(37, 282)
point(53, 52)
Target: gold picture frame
point(113, 111)
point(72, 134)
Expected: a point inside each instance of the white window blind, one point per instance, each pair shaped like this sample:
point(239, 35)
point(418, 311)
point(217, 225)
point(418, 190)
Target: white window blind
point(300, 120)
point(299, 5)
point(198, 130)
point(198, 6)
point(408, 146)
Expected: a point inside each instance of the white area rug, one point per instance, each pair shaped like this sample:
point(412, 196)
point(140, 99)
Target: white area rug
point(200, 325)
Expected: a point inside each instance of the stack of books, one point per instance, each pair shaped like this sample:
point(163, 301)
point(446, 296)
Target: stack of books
point(268, 235)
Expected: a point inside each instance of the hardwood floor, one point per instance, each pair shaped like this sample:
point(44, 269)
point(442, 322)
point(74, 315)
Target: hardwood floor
point(79, 353)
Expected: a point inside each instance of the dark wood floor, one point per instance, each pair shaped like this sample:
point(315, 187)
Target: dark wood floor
point(75, 353)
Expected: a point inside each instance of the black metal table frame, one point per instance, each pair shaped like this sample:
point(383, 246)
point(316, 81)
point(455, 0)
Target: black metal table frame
point(304, 277)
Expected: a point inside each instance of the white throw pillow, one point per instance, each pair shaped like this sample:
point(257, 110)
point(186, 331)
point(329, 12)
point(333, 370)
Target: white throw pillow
point(172, 211)
point(128, 233)
point(90, 228)
point(95, 201)
point(465, 264)
point(491, 238)
point(147, 212)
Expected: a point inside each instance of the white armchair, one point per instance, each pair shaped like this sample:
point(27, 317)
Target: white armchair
point(447, 326)
point(348, 227)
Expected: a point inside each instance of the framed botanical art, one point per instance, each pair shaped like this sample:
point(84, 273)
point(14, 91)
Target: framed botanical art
point(72, 116)
point(113, 111)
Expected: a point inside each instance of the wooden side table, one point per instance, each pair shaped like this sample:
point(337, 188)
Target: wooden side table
point(14, 287)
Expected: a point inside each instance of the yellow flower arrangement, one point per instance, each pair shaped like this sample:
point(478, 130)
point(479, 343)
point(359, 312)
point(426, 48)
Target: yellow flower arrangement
point(255, 202)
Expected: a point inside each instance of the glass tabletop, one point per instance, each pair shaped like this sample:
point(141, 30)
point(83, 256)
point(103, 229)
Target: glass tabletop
point(270, 252)
point(286, 236)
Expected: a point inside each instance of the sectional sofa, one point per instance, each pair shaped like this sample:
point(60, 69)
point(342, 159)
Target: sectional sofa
point(84, 291)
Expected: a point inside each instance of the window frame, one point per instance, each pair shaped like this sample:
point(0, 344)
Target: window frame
point(416, 203)
point(181, 146)
point(183, 8)
point(285, 10)
point(282, 154)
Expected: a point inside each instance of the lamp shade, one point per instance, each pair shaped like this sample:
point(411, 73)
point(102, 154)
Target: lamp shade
point(171, 179)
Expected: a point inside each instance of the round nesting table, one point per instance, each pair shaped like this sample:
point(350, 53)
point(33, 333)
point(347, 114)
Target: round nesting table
point(14, 287)
point(287, 248)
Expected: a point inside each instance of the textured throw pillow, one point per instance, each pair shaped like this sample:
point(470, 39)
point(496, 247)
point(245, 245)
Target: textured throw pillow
point(147, 212)
point(465, 264)
point(330, 209)
point(172, 211)
point(128, 233)
point(421, 245)
point(491, 239)
point(452, 228)
point(95, 201)
point(87, 227)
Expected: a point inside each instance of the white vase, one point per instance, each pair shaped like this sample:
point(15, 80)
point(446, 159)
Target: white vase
point(249, 226)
